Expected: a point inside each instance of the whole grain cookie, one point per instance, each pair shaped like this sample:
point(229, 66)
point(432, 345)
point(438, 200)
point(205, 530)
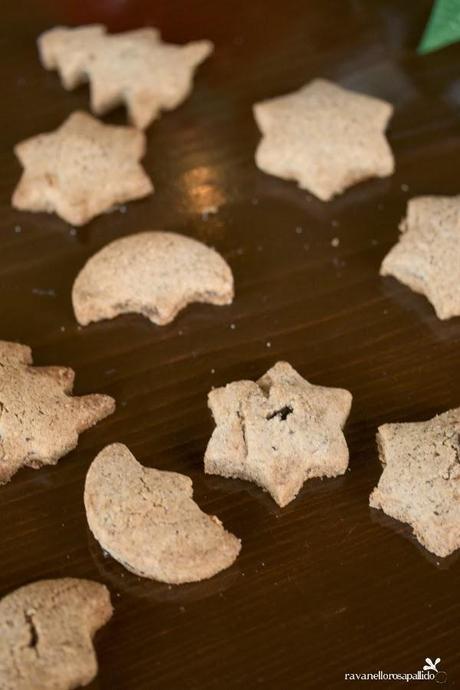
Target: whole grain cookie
point(427, 256)
point(420, 482)
point(148, 521)
point(278, 432)
point(325, 137)
point(152, 273)
point(40, 420)
point(82, 169)
point(135, 68)
point(68, 50)
point(46, 632)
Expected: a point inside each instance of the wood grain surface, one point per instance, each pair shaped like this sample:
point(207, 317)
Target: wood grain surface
point(325, 586)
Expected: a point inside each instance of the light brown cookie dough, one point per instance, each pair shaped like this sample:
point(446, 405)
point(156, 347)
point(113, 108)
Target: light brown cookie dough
point(152, 273)
point(135, 68)
point(148, 521)
point(68, 51)
point(420, 482)
point(39, 419)
point(46, 632)
point(278, 432)
point(324, 137)
point(80, 170)
point(427, 256)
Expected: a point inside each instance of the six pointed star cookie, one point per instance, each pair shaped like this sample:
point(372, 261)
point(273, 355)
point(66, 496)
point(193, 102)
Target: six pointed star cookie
point(325, 137)
point(39, 419)
point(278, 432)
point(420, 483)
point(427, 256)
point(135, 68)
point(81, 170)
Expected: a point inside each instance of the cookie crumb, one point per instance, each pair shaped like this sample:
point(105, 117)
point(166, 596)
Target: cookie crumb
point(44, 292)
point(209, 211)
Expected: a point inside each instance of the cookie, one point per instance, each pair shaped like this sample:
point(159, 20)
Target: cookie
point(148, 521)
point(80, 170)
point(46, 632)
point(135, 68)
point(324, 137)
point(67, 51)
point(420, 482)
point(427, 256)
point(152, 273)
point(39, 419)
point(278, 432)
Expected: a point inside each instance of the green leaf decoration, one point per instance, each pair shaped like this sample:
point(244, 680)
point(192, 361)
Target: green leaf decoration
point(443, 27)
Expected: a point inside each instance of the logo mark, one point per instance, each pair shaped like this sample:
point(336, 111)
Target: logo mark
point(431, 665)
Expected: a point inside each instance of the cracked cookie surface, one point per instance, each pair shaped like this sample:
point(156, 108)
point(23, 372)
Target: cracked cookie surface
point(46, 632)
point(148, 521)
point(278, 432)
point(420, 482)
point(40, 420)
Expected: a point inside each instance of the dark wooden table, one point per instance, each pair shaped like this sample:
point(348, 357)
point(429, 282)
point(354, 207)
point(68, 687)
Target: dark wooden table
point(324, 587)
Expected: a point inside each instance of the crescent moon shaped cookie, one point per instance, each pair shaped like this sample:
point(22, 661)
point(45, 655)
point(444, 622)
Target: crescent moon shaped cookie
point(46, 632)
point(420, 482)
point(135, 68)
point(324, 137)
point(40, 420)
point(81, 170)
point(278, 432)
point(148, 521)
point(152, 273)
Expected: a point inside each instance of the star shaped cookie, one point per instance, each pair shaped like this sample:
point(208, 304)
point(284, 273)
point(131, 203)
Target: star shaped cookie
point(420, 483)
point(135, 68)
point(81, 170)
point(427, 256)
point(325, 137)
point(278, 432)
point(39, 419)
